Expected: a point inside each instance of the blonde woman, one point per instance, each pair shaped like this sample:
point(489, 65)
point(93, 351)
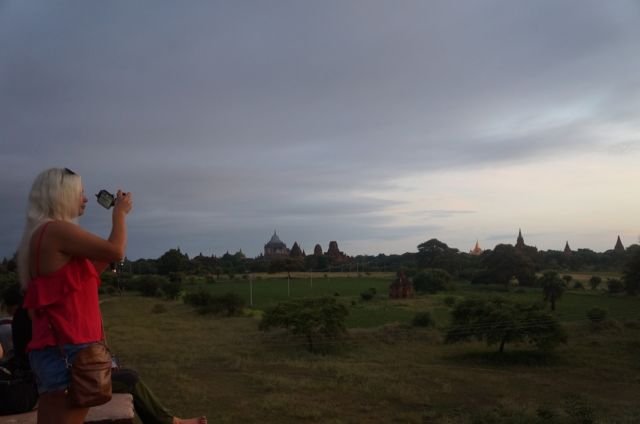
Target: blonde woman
point(59, 266)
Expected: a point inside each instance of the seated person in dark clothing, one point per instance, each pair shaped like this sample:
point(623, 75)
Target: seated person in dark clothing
point(146, 405)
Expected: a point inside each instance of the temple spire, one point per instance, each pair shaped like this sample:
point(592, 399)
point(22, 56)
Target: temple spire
point(619, 247)
point(476, 250)
point(520, 240)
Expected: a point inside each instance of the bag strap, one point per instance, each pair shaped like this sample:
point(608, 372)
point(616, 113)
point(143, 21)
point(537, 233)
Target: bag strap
point(61, 346)
point(58, 342)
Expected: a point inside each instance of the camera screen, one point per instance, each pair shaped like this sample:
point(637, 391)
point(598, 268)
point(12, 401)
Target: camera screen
point(105, 199)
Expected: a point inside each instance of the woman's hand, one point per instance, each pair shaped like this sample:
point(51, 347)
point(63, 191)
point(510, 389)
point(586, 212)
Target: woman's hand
point(124, 202)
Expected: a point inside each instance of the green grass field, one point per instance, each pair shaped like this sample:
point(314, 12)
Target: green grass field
point(384, 371)
point(269, 291)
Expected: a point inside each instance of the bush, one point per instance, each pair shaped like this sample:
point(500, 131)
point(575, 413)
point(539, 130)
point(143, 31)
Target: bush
point(483, 277)
point(149, 285)
point(172, 288)
point(314, 319)
point(176, 277)
point(423, 319)
point(198, 299)
point(432, 281)
point(228, 304)
point(615, 286)
point(368, 294)
point(594, 282)
point(578, 286)
point(449, 301)
point(500, 321)
point(596, 314)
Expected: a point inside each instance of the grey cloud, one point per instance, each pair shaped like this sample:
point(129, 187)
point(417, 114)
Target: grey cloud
point(226, 112)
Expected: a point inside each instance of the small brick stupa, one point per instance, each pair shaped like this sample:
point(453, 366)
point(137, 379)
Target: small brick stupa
point(401, 287)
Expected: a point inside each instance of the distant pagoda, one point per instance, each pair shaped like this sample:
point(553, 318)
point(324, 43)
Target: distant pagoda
point(619, 247)
point(520, 241)
point(476, 251)
point(275, 247)
point(567, 249)
point(296, 251)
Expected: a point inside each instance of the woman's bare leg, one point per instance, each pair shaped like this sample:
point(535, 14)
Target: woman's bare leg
point(75, 415)
point(199, 420)
point(52, 407)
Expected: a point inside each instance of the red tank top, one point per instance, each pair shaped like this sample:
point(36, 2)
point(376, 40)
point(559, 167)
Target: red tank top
point(66, 299)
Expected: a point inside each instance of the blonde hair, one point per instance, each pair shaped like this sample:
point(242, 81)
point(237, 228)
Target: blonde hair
point(55, 195)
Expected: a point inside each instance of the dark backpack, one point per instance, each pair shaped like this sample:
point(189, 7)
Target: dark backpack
point(18, 392)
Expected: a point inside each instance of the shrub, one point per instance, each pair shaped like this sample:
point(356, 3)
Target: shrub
point(499, 320)
point(176, 277)
point(615, 286)
point(314, 319)
point(594, 282)
point(198, 299)
point(423, 319)
point(172, 288)
point(368, 294)
point(578, 286)
point(149, 285)
point(432, 281)
point(228, 304)
point(483, 277)
point(449, 301)
point(596, 314)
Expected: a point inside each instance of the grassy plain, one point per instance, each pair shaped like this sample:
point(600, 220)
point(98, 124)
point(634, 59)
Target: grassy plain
point(384, 371)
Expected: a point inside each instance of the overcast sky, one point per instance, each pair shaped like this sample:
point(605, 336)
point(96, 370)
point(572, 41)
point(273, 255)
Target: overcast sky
point(378, 124)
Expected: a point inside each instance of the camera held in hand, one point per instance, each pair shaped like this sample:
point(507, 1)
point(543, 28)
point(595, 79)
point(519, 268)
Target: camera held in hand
point(106, 199)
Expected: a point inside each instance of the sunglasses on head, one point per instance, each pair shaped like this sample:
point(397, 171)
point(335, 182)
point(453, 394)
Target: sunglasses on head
point(67, 171)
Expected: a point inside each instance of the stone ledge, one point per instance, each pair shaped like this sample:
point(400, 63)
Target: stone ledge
point(119, 410)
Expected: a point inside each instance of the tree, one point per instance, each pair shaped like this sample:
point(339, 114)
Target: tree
point(552, 287)
point(631, 276)
point(505, 262)
point(173, 260)
point(432, 281)
point(436, 254)
point(615, 285)
point(311, 318)
point(594, 282)
point(500, 321)
point(228, 304)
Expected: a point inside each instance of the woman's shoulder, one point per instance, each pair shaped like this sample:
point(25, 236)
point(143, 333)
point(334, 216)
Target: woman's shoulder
point(50, 227)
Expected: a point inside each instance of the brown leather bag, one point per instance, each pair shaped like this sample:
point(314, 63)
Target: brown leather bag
point(90, 383)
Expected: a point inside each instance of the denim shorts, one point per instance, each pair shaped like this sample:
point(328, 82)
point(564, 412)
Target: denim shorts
point(50, 367)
